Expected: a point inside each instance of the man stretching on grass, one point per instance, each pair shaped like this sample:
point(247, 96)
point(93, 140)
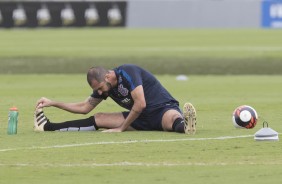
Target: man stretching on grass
point(149, 105)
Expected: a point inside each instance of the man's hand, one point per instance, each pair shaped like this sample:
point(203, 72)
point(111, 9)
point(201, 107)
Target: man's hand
point(43, 102)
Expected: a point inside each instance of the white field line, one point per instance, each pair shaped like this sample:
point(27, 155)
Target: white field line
point(188, 49)
point(124, 142)
point(172, 49)
point(125, 164)
point(210, 49)
point(110, 164)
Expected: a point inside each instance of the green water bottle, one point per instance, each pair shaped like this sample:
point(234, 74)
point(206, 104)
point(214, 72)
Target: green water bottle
point(13, 121)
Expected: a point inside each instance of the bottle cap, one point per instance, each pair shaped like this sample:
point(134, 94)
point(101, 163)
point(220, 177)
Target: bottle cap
point(13, 109)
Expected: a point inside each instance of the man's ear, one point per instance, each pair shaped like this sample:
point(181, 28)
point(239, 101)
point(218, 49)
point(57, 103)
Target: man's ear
point(107, 77)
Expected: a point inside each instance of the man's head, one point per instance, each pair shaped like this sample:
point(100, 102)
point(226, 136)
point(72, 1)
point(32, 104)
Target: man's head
point(96, 73)
point(97, 78)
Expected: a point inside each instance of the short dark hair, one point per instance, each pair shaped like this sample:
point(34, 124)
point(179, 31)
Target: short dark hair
point(96, 73)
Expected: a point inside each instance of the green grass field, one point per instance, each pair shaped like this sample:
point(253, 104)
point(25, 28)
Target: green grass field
point(218, 153)
point(163, 51)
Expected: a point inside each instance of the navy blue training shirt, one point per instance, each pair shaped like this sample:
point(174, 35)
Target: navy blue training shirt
point(128, 78)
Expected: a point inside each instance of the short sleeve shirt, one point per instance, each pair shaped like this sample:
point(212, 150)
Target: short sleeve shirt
point(128, 78)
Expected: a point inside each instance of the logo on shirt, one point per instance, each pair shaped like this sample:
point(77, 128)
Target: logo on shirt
point(122, 90)
point(126, 101)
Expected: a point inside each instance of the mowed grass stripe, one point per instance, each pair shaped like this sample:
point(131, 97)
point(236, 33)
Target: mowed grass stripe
point(161, 51)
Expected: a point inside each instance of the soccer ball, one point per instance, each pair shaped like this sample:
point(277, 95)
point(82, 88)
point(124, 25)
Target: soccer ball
point(245, 116)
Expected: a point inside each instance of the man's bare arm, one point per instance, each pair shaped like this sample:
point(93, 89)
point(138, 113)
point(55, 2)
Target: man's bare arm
point(78, 107)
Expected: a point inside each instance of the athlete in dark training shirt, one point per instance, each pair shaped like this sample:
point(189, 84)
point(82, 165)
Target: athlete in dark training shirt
point(150, 106)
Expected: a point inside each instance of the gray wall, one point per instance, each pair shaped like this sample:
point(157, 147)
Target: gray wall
point(194, 13)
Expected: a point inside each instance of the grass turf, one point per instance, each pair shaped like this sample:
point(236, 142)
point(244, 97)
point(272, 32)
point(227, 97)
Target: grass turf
point(87, 157)
point(164, 51)
point(71, 157)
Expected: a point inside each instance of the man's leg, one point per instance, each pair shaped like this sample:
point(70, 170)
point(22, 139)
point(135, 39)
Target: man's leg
point(42, 123)
point(173, 120)
point(110, 120)
point(100, 120)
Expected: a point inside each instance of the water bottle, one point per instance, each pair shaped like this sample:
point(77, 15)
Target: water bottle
point(13, 121)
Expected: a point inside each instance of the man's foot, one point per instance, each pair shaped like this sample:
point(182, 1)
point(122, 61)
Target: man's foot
point(39, 120)
point(189, 114)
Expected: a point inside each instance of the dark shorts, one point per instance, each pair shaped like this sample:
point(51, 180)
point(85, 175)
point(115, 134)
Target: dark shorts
point(152, 119)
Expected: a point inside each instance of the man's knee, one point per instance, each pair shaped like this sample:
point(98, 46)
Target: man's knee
point(98, 115)
point(168, 119)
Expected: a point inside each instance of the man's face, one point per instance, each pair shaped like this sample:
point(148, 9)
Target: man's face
point(102, 88)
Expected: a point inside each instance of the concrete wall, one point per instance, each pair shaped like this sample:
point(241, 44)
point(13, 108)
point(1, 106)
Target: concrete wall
point(194, 13)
